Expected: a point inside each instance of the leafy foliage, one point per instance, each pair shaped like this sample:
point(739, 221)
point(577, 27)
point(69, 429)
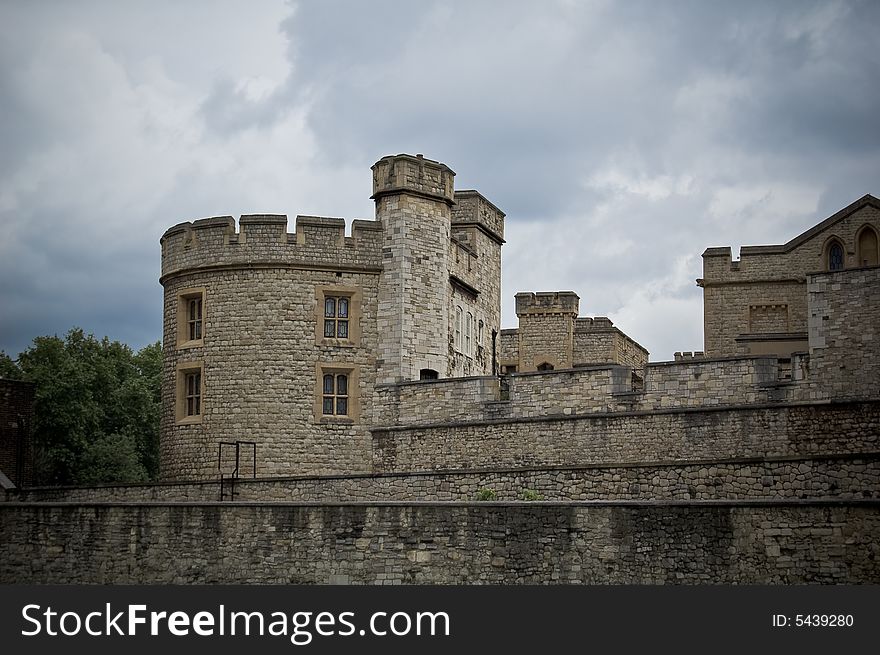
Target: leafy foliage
point(8, 368)
point(96, 413)
point(487, 494)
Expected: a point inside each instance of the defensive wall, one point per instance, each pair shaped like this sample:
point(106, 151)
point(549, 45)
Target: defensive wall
point(851, 476)
point(730, 542)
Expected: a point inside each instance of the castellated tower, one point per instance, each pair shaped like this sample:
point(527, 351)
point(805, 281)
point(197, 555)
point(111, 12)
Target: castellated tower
point(281, 337)
point(413, 199)
point(546, 329)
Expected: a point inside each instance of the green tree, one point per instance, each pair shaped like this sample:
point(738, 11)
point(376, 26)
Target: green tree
point(96, 413)
point(8, 368)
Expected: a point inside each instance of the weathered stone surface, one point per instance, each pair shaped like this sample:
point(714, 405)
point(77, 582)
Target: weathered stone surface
point(494, 543)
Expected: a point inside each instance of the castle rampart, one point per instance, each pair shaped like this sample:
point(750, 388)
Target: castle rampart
point(732, 542)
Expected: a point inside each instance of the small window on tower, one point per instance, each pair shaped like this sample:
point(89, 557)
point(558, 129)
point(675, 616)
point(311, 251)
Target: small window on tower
point(190, 318)
point(336, 393)
point(335, 400)
point(336, 317)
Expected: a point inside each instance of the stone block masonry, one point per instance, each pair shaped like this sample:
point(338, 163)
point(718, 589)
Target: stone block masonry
point(677, 434)
point(454, 543)
point(853, 476)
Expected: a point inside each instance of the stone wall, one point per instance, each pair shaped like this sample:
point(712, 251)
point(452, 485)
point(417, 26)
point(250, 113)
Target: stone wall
point(691, 383)
point(597, 341)
point(659, 435)
point(16, 416)
point(843, 476)
point(525, 543)
point(740, 296)
point(260, 356)
point(845, 332)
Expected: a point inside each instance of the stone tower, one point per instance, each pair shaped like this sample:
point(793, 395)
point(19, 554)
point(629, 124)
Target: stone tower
point(413, 198)
point(546, 329)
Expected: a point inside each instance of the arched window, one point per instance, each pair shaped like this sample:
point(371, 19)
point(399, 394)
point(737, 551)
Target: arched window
point(867, 247)
point(545, 366)
point(469, 334)
point(835, 256)
point(428, 374)
point(457, 340)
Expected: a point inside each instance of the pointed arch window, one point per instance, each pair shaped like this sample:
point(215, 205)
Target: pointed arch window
point(867, 247)
point(835, 256)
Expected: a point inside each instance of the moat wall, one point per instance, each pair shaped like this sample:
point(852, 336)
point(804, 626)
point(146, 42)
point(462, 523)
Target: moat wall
point(388, 543)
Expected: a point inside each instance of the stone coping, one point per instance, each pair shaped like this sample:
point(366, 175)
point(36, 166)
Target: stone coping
point(477, 471)
point(519, 504)
point(642, 412)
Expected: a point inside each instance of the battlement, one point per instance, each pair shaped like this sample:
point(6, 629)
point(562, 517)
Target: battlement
point(547, 302)
point(472, 209)
point(394, 174)
point(585, 323)
point(263, 239)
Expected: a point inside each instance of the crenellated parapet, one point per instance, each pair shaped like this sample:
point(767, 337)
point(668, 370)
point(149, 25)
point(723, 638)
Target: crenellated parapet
point(396, 174)
point(473, 210)
point(547, 302)
point(263, 240)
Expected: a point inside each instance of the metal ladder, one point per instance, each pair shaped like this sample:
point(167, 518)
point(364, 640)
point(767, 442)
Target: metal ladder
point(227, 482)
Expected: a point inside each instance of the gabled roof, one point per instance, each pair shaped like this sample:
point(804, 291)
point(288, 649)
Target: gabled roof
point(864, 201)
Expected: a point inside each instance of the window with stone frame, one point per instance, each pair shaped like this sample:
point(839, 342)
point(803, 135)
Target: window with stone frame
point(336, 392)
point(190, 318)
point(192, 383)
point(867, 247)
point(190, 392)
point(468, 335)
point(457, 337)
point(334, 400)
point(337, 316)
point(835, 256)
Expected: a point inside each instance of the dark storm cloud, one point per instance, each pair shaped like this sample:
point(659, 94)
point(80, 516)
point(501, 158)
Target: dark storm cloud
point(621, 138)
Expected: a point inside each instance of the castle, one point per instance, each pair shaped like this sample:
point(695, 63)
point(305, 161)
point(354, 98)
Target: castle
point(356, 397)
point(295, 340)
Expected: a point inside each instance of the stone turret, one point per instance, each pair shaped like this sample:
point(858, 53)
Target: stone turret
point(413, 198)
point(546, 329)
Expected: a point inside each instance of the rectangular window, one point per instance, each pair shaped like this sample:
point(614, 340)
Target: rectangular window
point(335, 400)
point(191, 318)
point(190, 392)
point(457, 339)
point(336, 392)
point(468, 332)
point(193, 384)
point(336, 317)
point(194, 318)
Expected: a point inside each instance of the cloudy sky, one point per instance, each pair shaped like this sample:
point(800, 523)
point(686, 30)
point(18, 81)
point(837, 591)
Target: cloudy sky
point(621, 138)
